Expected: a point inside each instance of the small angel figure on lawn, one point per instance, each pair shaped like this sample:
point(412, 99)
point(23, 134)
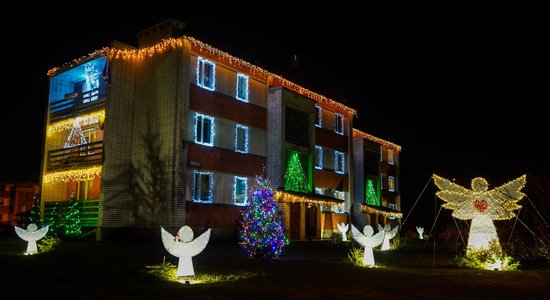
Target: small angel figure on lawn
point(31, 235)
point(183, 246)
point(368, 240)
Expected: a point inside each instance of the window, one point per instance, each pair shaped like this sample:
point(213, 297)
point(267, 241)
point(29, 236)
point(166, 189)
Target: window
point(203, 183)
point(318, 157)
point(339, 162)
point(296, 127)
point(391, 183)
point(239, 191)
point(204, 130)
point(91, 136)
point(84, 189)
point(206, 74)
point(383, 179)
point(392, 206)
point(390, 156)
point(319, 191)
point(241, 138)
point(4, 217)
point(341, 196)
point(242, 87)
point(318, 116)
point(338, 123)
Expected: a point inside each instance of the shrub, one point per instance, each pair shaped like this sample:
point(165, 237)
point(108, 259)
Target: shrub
point(356, 255)
point(489, 259)
point(47, 244)
point(165, 270)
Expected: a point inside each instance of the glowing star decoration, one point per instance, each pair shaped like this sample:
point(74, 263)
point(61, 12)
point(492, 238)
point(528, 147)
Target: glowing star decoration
point(481, 205)
point(31, 235)
point(420, 231)
point(183, 246)
point(390, 234)
point(368, 240)
point(343, 228)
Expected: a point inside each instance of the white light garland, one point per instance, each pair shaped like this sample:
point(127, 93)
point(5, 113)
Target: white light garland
point(339, 123)
point(197, 175)
point(84, 120)
point(244, 78)
point(201, 74)
point(245, 130)
point(73, 175)
point(235, 187)
point(200, 140)
point(339, 161)
point(319, 159)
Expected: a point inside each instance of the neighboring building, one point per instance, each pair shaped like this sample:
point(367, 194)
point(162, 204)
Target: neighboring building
point(376, 179)
point(16, 198)
point(174, 132)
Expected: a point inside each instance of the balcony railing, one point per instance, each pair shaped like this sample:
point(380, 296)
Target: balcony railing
point(87, 154)
point(73, 102)
point(88, 212)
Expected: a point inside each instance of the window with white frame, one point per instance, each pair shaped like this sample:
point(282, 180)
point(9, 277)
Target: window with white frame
point(203, 184)
point(318, 157)
point(241, 138)
point(204, 130)
point(319, 191)
point(341, 196)
point(338, 123)
point(242, 87)
point(206, 74)
point(390, 156)
point(339, 162)
point(239, 190)
point(391, 183)
point(318, 116)
point(392, 206)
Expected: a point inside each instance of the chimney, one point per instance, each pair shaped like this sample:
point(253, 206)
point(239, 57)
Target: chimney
point(170, 28)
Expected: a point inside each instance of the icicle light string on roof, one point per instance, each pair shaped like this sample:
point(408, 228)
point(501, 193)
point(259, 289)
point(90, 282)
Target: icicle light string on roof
point(233, 61)
point(371, 210)
point(73, 175)
point(361, 134)
point(286, 197)
point(84, 120)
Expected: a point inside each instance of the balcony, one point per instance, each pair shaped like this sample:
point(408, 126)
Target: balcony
point(82, 155)
point(76, 102)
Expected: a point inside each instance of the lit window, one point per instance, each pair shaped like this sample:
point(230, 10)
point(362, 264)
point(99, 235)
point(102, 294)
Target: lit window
point(391, 183)
point(390, 156)
point(341, 196)
point(318, 157)
point(203, 183)
point(204, 130)
point(319, 191)
point(318, 116)
point(206, 74)
point(242, 87)
point(338, 123)
point(339, 162)
point(239, 191)
point(241, 138)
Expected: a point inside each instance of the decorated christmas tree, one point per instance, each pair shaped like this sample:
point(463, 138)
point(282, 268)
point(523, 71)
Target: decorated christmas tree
point(72, 218)
point(76, 136)
point(54, 220)
point(371, 195)
point(262, 231)
point(34, 216)
point(295, 178)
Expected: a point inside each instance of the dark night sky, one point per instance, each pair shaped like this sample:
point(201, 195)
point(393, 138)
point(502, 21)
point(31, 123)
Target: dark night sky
point(461, 89)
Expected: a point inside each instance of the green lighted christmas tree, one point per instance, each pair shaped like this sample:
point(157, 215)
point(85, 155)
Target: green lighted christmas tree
point(54, 220)
point(295, 178)
point(72, 218)
point(371, 195)
point(34, 216)
point(262, 230)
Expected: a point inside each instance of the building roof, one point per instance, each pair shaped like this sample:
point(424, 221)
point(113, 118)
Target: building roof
point(201, 47)
point(360, 134)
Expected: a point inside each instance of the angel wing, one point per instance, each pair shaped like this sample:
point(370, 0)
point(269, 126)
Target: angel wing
point(380, 228)
point(504, 198)
point(342, 227)
point(180, 249)
point(358, 236)
point(457, 198)
point(391, 233)
point(376, 239)
point(27, 235)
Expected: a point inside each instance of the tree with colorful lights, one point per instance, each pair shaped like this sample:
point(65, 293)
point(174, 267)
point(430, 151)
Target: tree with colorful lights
point(262, 230)
point(482, 206)
point(72, 218)
point(295, 178)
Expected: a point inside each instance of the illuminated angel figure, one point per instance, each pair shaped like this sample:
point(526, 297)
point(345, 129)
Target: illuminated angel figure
point(420, 231)
point(390, 234)
point(343, 228)
point(481, 205)
point(31, 235)
point(183, 246)
point(368, 240)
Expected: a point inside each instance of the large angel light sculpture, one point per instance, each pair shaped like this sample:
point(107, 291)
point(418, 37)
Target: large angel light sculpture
point(31, 235)
point(368, 240)
point(390, 234)
point(481, 205)
point(343, 228)
point(183, 246)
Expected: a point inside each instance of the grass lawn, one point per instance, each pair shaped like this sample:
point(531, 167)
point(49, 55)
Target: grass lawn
point(307, 270)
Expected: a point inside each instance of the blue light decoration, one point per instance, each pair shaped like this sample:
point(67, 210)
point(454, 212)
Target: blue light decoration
point(262, 230)
point(339, 123)
point(319, 158)
point(240, 187)
point(242, 87)
point(79, 85)
point(242, 132)
point(206, 74)
point(204, 130)
point(318, 116)
point(198, 192)
point(339, 162)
